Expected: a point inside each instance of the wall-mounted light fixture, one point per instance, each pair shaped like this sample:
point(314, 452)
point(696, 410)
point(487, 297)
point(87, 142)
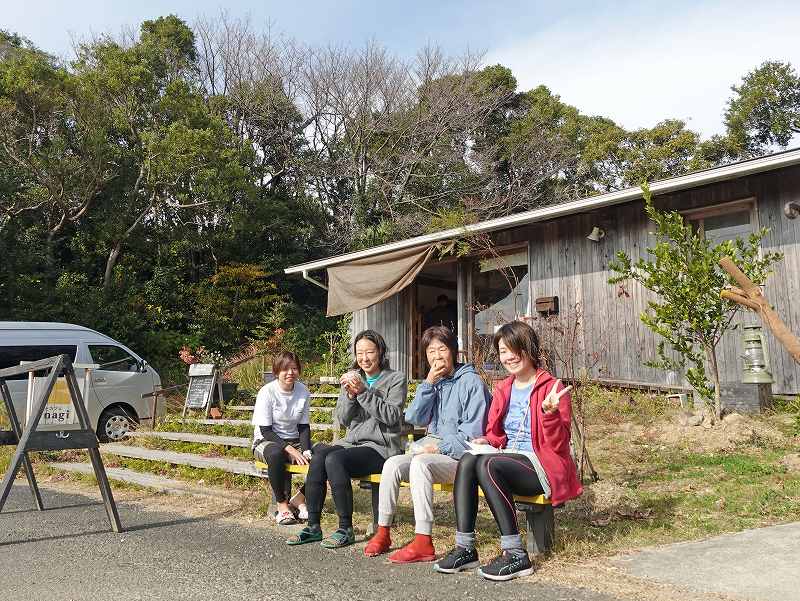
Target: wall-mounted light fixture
point(792, 209)
point(597, 234)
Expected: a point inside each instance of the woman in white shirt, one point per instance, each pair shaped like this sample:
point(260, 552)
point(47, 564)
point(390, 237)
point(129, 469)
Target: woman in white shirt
point(282, 433)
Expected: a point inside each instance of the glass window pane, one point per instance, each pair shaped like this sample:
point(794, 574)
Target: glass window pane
point(730, 226)
point(500, 290)
point(727, 220)
point(11, 356)
point(112, 358)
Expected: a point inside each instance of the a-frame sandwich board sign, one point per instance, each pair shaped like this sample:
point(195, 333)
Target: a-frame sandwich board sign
point(203, 379)
point(30, 439)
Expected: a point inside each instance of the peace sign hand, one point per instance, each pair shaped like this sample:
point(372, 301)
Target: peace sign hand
point(550, 403)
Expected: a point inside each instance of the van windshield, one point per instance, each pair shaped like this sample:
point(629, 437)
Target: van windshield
point(11, 356)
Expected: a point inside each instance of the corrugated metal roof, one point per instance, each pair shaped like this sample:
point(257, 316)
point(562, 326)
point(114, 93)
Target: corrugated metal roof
point(692, 180)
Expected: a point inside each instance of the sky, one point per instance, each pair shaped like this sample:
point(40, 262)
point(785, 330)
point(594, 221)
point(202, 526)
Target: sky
point(635, 62)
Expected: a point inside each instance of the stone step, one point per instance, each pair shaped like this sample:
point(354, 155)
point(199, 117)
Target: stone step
point(159, 483)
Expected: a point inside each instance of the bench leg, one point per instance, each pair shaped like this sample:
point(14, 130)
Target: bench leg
point(541, 529)
point(375, 502)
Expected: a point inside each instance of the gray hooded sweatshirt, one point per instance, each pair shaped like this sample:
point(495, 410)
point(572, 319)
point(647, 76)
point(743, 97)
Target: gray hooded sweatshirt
point(374, 418)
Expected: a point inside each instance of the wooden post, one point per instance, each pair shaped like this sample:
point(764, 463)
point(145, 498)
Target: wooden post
point(750, 296)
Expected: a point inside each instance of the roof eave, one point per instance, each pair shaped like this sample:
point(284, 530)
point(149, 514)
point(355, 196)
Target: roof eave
point(699, 178)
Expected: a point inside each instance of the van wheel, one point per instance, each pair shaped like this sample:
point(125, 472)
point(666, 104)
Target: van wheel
point(114, 424)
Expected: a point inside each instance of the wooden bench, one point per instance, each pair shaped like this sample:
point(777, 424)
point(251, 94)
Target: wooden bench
point(538, 510)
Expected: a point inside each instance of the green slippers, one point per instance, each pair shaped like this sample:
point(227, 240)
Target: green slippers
point(340, 538)
point(306, 535)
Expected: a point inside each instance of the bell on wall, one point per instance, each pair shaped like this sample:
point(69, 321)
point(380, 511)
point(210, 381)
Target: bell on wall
point(756, 368)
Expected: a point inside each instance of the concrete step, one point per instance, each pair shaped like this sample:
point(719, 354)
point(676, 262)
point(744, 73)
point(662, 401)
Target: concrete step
point(233, 466)
point(159, 483)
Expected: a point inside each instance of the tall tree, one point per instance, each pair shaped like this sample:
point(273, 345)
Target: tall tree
point(53, 148)
point(764, 110)
point(172, 152)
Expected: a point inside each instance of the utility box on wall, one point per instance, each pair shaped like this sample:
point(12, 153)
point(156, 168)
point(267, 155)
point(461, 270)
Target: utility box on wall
point(547, 305)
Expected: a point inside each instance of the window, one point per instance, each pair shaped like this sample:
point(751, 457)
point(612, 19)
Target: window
point(736, 220)
point(11, 356)
point(112, 358)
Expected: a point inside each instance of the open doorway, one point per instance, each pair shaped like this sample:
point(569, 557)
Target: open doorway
point(436, 289)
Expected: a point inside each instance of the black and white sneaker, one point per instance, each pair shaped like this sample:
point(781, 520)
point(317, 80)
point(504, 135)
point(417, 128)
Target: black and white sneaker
point(507, 566)
point(456, 560)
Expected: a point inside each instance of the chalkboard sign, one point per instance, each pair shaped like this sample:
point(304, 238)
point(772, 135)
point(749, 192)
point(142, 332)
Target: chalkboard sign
point(200, 388)
point(202, 379)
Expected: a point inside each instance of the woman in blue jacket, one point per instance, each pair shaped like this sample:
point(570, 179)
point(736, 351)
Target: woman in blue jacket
point(452, 403)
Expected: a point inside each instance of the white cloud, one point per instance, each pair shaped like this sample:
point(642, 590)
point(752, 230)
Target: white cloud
point(639, 68)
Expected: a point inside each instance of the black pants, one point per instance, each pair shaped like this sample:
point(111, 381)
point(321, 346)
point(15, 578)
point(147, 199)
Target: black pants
point(501, 476)
point(337, 465)
point(280, 480)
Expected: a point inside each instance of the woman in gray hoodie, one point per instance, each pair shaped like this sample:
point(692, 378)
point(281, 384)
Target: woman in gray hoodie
point(452, 403)
point(370, 406)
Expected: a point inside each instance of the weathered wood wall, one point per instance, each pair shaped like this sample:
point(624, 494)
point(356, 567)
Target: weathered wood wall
point(564, 263)
point(389, 319)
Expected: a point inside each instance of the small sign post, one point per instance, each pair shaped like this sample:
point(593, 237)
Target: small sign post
point(203, 378)
point(30, 439)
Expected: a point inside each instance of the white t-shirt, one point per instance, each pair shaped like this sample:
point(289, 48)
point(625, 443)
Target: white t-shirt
point(281, 410)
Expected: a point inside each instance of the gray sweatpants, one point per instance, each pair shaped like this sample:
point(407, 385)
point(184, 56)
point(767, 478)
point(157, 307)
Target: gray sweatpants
point(421, 471)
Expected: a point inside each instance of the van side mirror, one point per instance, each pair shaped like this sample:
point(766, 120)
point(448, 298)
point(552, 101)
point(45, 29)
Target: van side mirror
point(142, 365)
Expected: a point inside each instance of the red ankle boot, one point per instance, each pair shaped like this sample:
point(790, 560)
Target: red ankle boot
point(419, 549)
point(380, 543)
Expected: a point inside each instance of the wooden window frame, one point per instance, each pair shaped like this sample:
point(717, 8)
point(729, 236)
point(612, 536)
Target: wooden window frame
point(699, 214)
point(468, 284)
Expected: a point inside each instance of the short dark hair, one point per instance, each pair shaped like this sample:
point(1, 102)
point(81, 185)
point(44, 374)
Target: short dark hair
point(520, 338)
point(282, 360)
point(442, 297)
point(442, 334)
point(378, 341)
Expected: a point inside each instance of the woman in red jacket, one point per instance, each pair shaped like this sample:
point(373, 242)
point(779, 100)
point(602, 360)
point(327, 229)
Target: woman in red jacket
point(525, 452)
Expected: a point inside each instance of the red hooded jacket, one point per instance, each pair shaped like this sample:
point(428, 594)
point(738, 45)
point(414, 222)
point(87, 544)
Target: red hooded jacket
point(550, 434)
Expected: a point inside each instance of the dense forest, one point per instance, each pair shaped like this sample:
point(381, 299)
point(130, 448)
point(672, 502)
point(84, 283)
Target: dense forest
point(155, 185)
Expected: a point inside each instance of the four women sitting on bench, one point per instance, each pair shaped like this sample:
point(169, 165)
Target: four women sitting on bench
point(524, 448)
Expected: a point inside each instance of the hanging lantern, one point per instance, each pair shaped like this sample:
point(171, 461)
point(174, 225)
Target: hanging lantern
point(756, 358)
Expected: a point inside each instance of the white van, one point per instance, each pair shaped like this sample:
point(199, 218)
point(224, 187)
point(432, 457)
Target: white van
point(117, 386)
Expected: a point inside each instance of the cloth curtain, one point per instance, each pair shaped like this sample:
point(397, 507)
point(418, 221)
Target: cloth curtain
point(365, 282)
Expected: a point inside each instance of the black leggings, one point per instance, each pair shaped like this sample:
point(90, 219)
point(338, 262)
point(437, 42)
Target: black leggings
point(337, 465)
point(501, 476)
point(279, 478)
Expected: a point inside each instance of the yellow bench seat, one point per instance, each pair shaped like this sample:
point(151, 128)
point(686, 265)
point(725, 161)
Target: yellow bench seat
point(376, 479)
point(538, 510)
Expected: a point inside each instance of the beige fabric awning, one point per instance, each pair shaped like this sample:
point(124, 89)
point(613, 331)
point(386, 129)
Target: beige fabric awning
point(364, 282)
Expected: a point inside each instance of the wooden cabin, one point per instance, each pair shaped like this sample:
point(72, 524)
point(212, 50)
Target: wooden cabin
point(556, 258)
